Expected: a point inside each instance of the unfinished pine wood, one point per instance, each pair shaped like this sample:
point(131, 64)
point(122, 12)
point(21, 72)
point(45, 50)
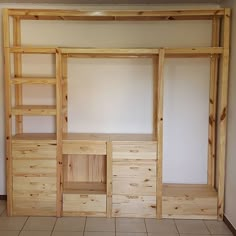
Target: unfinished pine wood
point(84, 205)
point(159, 154)
point(84, 147)
point(34, 110)
point(155, 97)
point(131, 137)
point(33, 150)
point(17, 71)
point(133, 206)
point(189, 201)
point(51, 14)
point(84, 187)
point(8, 115)
point(35, 137)
point(32, 80)
point(109, 179)
point(137, 150)
point(223, 114)
point(212, 104)
point(67, 137)
point(86, 168)
point(34, 50)
point(64, 93)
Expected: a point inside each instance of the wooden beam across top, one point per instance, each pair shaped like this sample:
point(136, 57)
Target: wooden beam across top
point(119, 15)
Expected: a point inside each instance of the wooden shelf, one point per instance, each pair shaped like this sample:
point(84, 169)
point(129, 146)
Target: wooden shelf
point(32, 50)
point(32, 110)
point(35, 136)
point(84, 188)
point(33, 80)
point(189, 201)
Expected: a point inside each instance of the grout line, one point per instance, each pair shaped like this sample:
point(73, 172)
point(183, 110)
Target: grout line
point(53, 226)
point(207, 227)
point(115, 225)
point(85, 223)
point(145, 225)
point(176, 227)
point(24, 225)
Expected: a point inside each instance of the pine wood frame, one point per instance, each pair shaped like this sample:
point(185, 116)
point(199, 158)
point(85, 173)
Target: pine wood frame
point(216, 52)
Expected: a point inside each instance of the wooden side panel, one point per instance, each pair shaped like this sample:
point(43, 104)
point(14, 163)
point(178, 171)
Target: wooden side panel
point(37, 149)
point(84, 147)
point(34, 168)
point(35, 196)
point(85, 168)
point(134, 206)
point(134, 150)
point(84, 205)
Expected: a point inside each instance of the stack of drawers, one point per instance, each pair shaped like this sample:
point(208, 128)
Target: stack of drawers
point(134, 179)
point(34, 177)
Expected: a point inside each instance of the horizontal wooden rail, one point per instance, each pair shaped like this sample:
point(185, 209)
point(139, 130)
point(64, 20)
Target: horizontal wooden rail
point(33, 80)
point(34, 110)
point(52, 14)
point(36, 50)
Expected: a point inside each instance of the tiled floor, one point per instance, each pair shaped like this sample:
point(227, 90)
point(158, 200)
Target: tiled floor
point(83, 226)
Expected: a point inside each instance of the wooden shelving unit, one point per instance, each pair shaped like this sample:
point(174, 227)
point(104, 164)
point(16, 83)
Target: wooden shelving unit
point(116, 175)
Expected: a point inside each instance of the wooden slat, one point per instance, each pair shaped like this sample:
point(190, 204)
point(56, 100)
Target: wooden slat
point(223, 114)
point(33, 80)
point(34, 110)
point(8, 117)
point(17, 71)
point(30, 137)
point(29, 50)
point(84, 188)
point(109, 179)
point(155, 98)
point(160, 91)
point(64, 94)
point(119, 51)
point(115, 15)
point(59, 133)
point(212, 104)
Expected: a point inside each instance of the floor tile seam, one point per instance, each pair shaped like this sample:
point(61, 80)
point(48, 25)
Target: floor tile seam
point(207, 227)
point(54, 226)
point(145, 226)
point(85, 223)
point(24, 225)
point(176, 226)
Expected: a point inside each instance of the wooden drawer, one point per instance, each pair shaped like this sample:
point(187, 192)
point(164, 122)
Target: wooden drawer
point(34, 168)
point(133, 206)
point(134, 150)
point(36, 149)
point(84, 204)
point(84, 147)
point(34, 196)
point(134, 169)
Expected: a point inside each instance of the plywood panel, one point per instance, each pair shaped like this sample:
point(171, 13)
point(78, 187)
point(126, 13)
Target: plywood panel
point(83, 204)
point(133, 206)
point(85, 168)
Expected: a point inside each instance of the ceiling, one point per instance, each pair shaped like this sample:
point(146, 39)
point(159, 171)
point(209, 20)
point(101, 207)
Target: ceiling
point(115, 1)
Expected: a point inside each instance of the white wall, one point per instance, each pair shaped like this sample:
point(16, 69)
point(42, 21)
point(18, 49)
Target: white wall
point(230, 194)
point(115, 95)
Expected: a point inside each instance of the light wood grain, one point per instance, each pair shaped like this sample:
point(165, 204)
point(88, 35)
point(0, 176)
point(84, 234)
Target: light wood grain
point(109, 179)
point(33, 50)
point(33, 80)
point(34, 110)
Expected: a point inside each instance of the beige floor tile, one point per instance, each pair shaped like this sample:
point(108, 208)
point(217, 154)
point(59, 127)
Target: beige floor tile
point(100, 224)
point(130, 225)
point(165, 234)
point(99, 234)
point(40, 223)
point(2, 209)
point(9, 233)
point(161, 226)
point(131, 234)
point(35, 233)
point(2, 202)
point(191, 227)
point(66, 233)
point(217, 227)
point(12, 223)
point(70, 224)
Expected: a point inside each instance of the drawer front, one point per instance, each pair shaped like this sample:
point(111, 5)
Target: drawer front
point(84, 147)
point(42, 150)
point(139, 186)
point(34, 196)
point(84, 205)
point(194, 207)
point(134, 206)
point(34, 168)
point(134, 150)
point(134, 169)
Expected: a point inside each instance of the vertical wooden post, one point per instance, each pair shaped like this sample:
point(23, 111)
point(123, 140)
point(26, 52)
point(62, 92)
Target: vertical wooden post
point(223, 113)
point(59, 133)
point(155, 78)
point(160, 92)
point(109, 179)
point(17, 70)
point(64, 93)
point(214, 61)
point(8, 115)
